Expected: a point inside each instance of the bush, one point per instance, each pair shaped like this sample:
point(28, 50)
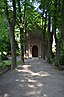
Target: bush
point(4, 57)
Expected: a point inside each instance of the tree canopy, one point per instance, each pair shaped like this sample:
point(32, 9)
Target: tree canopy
point(24, 15)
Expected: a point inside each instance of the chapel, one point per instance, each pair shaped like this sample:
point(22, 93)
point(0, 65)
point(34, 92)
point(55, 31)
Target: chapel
point(33, 43)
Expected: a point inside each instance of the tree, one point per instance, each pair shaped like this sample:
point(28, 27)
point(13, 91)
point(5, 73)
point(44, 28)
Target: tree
point(44, 35)
point(50, 39)
point(62, 22)
point(11, 18)
point(20, 25)
point(62, 33)
point(45, 7)
point(51, 16)
point(57, 41)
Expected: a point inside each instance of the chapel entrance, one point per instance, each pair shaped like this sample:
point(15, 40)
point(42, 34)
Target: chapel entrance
point(34, 51)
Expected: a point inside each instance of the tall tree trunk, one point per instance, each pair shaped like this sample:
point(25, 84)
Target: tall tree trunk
point(57, 57)
point(57, 61)
point(25, 25)
point(13, 47)
point(21, 32)
point(11, 24)
point(62, 24)
point(44, 33)
point(50, 40)
point(62, 31)
point(22, 44)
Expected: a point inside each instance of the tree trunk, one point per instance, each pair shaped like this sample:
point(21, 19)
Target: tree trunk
point(57, 57)
point(62, 32)
point(25, 25)
point(21, 32)
point(57, 61)
point(62, 24)
point(44, 33)
point(13, 47)
point(50, 40)
point(11, 23)
point(22, 44)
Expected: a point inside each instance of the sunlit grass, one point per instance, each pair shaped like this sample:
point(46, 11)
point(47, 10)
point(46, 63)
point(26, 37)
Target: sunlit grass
point(8, 63)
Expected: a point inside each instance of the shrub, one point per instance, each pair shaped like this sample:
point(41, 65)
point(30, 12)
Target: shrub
point(4, 57)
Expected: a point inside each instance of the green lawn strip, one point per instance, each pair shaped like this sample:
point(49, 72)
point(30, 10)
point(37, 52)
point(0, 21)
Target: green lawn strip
point(8, 63)
point(5, 65)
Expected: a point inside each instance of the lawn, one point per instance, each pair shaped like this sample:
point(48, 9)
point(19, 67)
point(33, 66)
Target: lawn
point(4, 65)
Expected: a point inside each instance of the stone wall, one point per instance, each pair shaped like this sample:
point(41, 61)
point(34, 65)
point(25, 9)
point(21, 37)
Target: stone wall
point(30, 42)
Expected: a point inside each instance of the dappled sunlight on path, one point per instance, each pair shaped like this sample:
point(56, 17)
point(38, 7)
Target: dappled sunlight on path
point(25, 68)
point(35, 78)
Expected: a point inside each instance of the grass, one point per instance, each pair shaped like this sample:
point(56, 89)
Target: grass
point(7, 63)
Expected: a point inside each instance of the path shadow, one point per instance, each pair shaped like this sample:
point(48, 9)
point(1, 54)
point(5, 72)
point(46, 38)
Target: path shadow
point(32, 79)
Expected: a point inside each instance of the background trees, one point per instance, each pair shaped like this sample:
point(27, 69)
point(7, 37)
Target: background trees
point(23, 15)
point(53, 8)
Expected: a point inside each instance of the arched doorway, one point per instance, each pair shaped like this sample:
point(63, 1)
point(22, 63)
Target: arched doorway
point(34, 51)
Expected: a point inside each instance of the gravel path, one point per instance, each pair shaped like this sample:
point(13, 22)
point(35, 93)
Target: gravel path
point(35, 78)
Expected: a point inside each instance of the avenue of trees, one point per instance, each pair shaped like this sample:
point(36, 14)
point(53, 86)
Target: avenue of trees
point(20, 16)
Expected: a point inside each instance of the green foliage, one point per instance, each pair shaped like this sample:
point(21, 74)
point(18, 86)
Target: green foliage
point(2, 6)
point(4, 56)
point(4, 36)
point(7, 63)
point(30, 17)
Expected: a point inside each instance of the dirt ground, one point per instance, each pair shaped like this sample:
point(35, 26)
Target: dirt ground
point(35, 78)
